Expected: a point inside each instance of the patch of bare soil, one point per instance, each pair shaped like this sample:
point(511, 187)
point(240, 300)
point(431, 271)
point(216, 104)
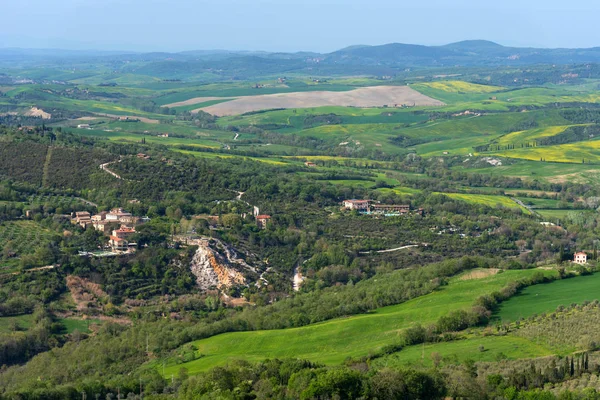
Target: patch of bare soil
point(85, 294)
point(375, 96)
point(38, 112)
point(195, 100)
point(479, 274)
point(576, 177)
point(86, 119)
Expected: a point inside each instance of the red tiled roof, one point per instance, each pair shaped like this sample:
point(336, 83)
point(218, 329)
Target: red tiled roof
point(263, 216)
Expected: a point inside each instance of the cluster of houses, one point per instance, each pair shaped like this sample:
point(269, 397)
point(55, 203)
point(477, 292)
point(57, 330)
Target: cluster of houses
point(118, 224)
point(372, 207)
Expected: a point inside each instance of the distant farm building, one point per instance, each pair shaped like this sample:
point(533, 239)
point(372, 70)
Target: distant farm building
point(390, 209)
point(83, 126)
point(359, 205)
point(370, 207)
point(262, 220)
point(310, 164)
point(118, 239)
point(580, 258)
point(82, 218)
point(117, 214)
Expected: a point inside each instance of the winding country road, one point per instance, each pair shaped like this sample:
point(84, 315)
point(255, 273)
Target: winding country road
point(104, 167)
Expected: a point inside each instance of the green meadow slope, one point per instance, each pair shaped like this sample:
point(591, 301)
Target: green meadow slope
point(333, 341)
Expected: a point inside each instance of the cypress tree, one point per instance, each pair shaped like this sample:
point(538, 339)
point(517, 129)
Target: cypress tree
point(572, 369)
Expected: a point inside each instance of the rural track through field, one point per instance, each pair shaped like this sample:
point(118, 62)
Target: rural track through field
point(104, 167)
point(46, 170)
point(391, 250)
point(87, 202)
point(528, 208)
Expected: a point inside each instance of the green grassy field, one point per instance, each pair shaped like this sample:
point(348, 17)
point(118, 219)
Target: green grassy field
point(361, 334)
point(83, 326)
point(22, 321)
point(494, 348)
point(120, 136)
point(580, 152)
point(488, 200)
point(553, 215)
point(547, 171)
point(543, 203)
point(547, 297)
point(529, 136)
point(220, 155)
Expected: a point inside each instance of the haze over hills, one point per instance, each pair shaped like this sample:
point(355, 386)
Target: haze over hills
point(464, 53)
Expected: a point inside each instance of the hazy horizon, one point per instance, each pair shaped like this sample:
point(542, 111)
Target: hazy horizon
point(289, 26)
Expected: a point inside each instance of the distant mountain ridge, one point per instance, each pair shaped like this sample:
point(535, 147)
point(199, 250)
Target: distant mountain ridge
point(465, 53)
point(468, 52)
point(379, 60)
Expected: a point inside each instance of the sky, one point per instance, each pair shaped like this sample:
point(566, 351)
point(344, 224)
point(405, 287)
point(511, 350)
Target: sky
point(292, 25)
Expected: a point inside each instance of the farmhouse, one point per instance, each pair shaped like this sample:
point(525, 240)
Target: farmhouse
point(83, 126)
point(360, 205)
point(82, 218)
point(118, 244)
point(130, 220)
point(103, 226)
point(262, 220)
point(118, 239)
point(390, 209)
point(310, 164)
point(99, 217)
point(117, 214)
point(580, 258)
